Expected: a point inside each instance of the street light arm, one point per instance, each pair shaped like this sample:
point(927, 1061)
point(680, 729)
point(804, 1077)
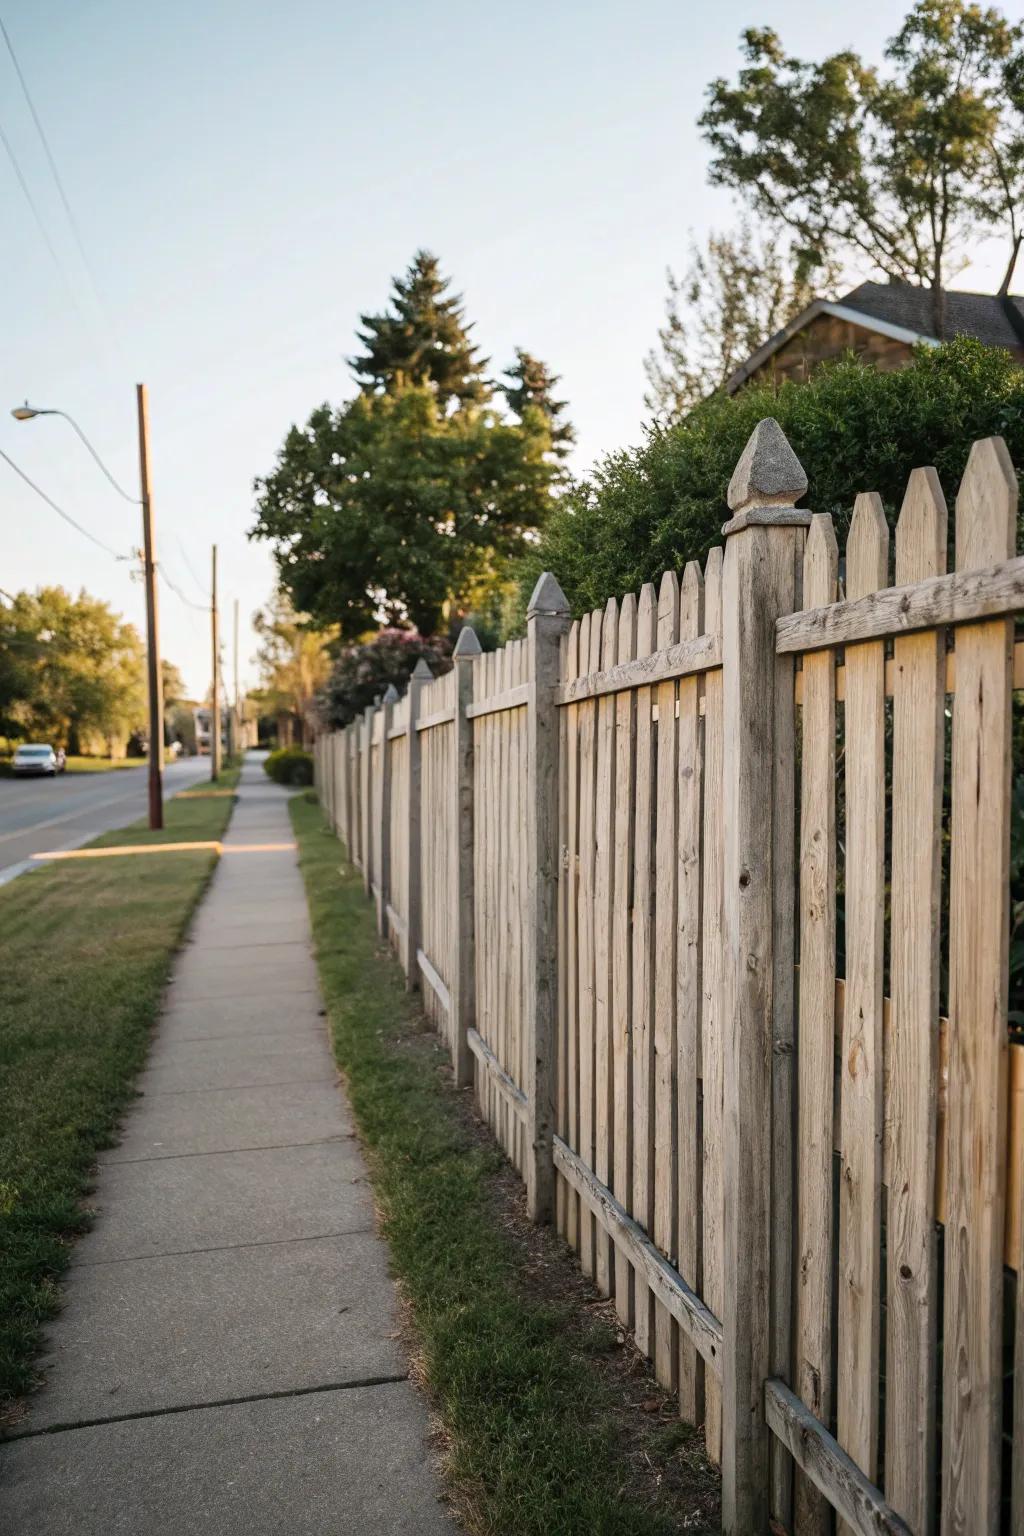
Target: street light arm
point(27, 412)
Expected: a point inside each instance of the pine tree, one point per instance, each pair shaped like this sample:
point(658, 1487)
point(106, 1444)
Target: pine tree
point(532, 385)
point(421, 339)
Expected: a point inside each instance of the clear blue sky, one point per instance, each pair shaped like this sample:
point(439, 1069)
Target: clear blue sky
point(248, 176)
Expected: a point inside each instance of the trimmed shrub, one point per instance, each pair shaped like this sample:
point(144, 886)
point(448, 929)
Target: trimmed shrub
point(290, 765)
point(645, 510)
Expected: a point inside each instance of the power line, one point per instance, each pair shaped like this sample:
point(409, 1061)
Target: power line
point(60, 510)
point(35, 213)
point(135, 501)
point(180, 594)
point(188, 564)
point(72, 221)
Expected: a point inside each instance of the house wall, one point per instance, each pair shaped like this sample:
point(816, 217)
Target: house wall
point(826, 336)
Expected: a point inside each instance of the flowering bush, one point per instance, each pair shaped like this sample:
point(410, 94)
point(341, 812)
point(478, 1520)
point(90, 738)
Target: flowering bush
point(362, 672)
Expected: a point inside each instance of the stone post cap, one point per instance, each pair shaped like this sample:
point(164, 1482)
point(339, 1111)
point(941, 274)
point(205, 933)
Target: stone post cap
point(467, 644)
point(548, 599)
point(767, 482)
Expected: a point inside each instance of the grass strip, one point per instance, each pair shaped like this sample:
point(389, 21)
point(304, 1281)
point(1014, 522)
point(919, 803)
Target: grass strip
point(537, 1441)
point(87, 948)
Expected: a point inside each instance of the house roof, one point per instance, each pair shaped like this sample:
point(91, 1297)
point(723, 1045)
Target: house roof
point(903, 312)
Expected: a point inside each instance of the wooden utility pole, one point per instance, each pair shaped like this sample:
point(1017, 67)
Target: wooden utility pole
point(215, 637)
point(236, 734)
point(156, 690)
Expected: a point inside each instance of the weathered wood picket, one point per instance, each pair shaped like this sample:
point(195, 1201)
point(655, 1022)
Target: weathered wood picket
point(672, 879)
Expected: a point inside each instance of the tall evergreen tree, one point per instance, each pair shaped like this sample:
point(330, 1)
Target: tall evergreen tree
point(421, 339)
point(532, 386)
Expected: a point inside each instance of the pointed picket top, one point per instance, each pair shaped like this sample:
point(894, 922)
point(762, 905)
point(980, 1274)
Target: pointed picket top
point(467, 644)
point(821, 562)
point(713, 591)
point(986, 507)
point(647, 620)
point(867, 547)
point(422, 670)
point(627, 627)
point(610, 635)
point(548, 598)
point(668, 610)
point(691, 602)
point(767, 482)
point(391, 694)
point(921, 529)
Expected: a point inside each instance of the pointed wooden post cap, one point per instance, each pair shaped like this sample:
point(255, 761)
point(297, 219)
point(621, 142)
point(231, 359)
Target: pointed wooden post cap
point(548, 599)
point(767, 482)
point(467, 644)
point(391, 694)
point(422, 670)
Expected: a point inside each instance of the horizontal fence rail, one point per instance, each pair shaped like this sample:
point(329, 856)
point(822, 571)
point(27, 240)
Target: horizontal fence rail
point(708, 893)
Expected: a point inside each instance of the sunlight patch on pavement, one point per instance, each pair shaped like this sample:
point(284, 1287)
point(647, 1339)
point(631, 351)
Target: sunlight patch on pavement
point(133, 848)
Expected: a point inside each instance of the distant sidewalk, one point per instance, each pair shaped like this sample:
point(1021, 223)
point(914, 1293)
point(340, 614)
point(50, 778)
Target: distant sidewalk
point(227, 1362)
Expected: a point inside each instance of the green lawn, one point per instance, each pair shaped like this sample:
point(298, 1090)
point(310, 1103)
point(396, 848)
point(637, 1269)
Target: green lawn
point(543, 1433)
point(87, 946)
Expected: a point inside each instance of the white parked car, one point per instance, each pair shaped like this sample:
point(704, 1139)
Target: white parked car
point(37, 759)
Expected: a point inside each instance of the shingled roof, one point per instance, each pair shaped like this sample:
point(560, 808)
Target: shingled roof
point(904, 312)
point(986, 316)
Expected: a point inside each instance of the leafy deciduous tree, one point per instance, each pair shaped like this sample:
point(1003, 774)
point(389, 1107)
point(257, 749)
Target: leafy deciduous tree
point(362, 673)
point(736, 293)
point(69, 668)
point(897, 169)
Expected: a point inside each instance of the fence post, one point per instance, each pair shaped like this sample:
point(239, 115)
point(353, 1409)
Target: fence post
point(547, 620)
point(366, 775)
point(763, 552)
point(414, 920)
point(462, 982)
point(384, 873)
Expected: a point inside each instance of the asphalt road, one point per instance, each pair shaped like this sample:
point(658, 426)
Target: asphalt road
point(39, 815)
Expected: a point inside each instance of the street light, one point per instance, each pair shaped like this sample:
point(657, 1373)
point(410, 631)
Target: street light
point(27, 412)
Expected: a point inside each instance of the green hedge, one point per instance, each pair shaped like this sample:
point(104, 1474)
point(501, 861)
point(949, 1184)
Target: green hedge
point(290, 765)
point(645, 510)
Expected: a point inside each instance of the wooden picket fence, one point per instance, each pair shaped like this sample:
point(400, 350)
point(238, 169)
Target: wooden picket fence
point(709, 894)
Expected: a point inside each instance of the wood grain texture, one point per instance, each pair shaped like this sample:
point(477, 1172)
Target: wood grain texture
point(666, 1348)
point(965, 595)
point(816, 1037)
point(824, 1463)
point(688, 984)
point(685, 1307)
point(622, 953)
point(463, 938)
point(861, 1100)
point(699, 654)
point(912, 1044)
point(759, 583)
point(604, 885)
point(713, 1001)
point(643, 966)
point(979, 932)
point(590, 657)
point(566, 1197)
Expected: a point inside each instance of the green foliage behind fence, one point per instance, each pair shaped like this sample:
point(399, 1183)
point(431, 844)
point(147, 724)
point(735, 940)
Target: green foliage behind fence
point(649, 509)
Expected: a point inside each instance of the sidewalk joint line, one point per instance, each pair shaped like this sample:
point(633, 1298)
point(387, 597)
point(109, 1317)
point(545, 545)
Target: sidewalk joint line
point(291, 1082)
point(222, 1402)
point(184, 1253)
point(276, 1146)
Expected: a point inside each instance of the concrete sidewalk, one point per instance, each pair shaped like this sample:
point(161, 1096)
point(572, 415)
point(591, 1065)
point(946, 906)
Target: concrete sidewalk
point(226, 1361)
